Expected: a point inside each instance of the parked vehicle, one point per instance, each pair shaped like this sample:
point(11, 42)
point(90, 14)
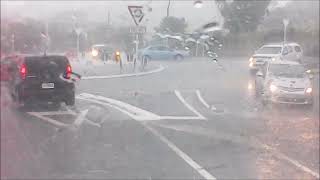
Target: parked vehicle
point(273, 52)
point(162, 52)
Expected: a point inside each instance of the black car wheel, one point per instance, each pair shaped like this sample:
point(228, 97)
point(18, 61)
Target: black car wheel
point(70, 101)
point(178, 57)
point(146, 58)
point(70, 98)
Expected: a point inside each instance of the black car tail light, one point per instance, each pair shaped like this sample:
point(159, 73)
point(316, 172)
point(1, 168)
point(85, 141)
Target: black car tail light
point(23, 71)
point(68, 72)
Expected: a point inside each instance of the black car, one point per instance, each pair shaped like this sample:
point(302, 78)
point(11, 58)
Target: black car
point(44, 78)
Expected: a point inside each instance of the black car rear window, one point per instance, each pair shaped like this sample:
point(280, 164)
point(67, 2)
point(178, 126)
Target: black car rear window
point(56, 64)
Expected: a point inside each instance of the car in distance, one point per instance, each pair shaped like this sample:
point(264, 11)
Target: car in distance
point(102, 52)
point(273, 52)
point(284, 82)
point(41, 78)
point(162, 52)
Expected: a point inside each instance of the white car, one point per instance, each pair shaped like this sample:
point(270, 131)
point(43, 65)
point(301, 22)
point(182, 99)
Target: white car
point(273, 52)
point(284, 82)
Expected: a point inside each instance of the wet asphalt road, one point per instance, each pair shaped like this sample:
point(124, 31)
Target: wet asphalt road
point(193, 120)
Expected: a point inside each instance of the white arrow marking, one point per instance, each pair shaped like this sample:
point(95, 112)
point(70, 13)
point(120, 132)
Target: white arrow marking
point(80, 118)
point(178, 94)
point(132, 111)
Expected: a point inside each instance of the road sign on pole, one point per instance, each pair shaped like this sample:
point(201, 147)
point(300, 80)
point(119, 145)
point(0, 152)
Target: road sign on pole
point(136, 14)
point(138, 29)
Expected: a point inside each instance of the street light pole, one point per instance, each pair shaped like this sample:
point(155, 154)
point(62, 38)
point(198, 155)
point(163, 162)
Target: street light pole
point(12, 42)
point(285, 24)
point(168, 8)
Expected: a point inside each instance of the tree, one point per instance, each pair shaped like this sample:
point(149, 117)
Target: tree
point(172, 25)
point(243, 16)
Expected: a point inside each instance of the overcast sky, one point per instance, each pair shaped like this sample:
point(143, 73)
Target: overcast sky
point(118, 9)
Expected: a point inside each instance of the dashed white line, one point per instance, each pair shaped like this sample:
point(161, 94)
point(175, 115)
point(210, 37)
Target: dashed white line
point(203, 172)
point(178, 94)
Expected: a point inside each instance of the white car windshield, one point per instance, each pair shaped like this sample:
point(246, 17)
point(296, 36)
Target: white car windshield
point(286, 70)
point(269, 50)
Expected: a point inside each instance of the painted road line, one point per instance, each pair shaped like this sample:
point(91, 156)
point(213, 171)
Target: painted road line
point(178, 94)
point(92, 123)
point(201, 99)
point(204, 102)
point(49, 120)
point(180, 153)
point(50, 113)
point(203, 172)
point(252, 141)
point(79, 120)
point(132, 111)
point(159, 69)
point(288, 159)
point(181, 117)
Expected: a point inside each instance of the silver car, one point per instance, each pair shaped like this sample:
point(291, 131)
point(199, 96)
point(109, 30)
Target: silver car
point(273, 52)
point(284, 82)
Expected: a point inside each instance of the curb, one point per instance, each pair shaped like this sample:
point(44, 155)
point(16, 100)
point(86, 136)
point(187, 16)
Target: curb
point(159, 69)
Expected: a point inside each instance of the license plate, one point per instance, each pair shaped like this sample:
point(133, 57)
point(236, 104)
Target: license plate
point(47, 85)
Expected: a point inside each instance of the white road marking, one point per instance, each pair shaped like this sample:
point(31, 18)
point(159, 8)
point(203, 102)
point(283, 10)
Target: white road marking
point(92, 123)
point(201, 99)
point(50, 113)
point(178, 94)
point(161, 68)
point(145, 115)
point(254, 142)
point(180, 117)
point(203, 172)
point(80, 118)
point(132, 111)
point(49, 120)
point(204, 102)
point(288, 159)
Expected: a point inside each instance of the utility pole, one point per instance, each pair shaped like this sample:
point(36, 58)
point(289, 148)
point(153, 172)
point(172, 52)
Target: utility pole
point(12, 42)
point(108, 19)
point(168, 8)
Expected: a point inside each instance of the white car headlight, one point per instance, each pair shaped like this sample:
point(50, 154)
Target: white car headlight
point(251, 59)
point(309, 90)
point(273, 88)
point(273, 59)
point(94, 53)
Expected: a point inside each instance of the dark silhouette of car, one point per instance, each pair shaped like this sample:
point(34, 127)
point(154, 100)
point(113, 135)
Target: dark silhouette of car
point(41, 78)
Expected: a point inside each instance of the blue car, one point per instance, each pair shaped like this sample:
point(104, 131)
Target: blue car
point(162, 52)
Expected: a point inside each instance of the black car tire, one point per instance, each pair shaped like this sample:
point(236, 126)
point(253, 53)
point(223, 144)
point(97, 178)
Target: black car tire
point(147, 58)
point(178, 57)
point(70, 100)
